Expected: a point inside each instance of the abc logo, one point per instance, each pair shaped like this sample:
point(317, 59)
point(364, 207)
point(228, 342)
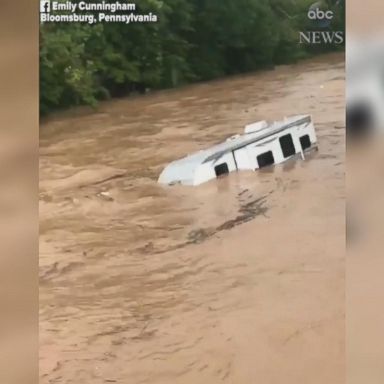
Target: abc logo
point(318, 14)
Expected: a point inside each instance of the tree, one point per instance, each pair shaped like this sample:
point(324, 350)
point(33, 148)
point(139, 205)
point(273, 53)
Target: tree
point(193, 40)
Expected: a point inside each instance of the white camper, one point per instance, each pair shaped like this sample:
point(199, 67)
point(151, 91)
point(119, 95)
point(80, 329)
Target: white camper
point(260, 145)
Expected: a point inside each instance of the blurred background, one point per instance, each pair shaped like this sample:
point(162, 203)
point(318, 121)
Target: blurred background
point(365, 155)
point(18, 192)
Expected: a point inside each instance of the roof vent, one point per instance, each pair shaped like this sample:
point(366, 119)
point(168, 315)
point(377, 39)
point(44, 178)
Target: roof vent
point(255, 127)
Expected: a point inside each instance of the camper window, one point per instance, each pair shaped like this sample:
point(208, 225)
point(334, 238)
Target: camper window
point(221, 169)
point(287, 145)
point(265, 159)
point(305, 142)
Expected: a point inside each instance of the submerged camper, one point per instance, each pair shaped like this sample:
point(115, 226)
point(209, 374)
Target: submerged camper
point(262, 144)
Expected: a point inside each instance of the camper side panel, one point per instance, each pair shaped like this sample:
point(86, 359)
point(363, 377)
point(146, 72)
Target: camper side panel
point(209, 171)
point(204, 172)
point(306, 130)
point(244, 159)
point(310, 129)
point(226, 159)
point(258, 149)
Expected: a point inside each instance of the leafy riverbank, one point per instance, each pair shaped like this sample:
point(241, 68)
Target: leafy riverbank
point(194, 40)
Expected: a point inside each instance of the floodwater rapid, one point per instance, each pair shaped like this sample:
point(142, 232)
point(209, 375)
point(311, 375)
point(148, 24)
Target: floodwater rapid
point(239, 280)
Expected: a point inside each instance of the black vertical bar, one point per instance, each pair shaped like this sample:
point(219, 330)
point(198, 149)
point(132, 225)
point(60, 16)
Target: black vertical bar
point(234, 158)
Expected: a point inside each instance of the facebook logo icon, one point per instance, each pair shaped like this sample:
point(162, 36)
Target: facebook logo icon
point(45, 6)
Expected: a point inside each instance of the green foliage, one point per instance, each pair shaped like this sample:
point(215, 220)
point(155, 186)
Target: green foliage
point(194, 40)
point(67, 67)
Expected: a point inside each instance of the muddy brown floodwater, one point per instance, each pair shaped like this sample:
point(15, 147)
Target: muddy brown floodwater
point(239, 280)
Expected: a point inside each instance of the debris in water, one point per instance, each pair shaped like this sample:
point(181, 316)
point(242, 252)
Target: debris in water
point(106, 196)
